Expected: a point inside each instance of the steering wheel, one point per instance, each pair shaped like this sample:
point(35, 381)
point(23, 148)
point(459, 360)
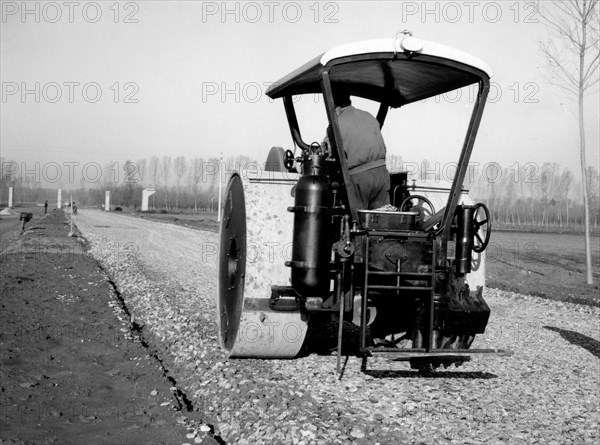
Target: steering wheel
point(418, 206)
point(478, 224)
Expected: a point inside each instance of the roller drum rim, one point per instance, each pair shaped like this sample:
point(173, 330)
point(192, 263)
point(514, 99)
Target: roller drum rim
point(232, 262)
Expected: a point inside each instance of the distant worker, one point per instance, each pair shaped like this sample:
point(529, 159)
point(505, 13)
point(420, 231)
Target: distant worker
point(46, 207)
point(74, 208)
point(365, 152)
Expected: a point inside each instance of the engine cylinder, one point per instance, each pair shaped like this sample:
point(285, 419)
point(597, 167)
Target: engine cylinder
point(311, 248)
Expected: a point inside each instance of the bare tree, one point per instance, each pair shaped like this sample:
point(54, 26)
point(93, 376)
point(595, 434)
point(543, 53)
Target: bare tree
point(428, 172)
point(197, 172)
point(574, 34)
point(180, 169)
point(566, 179)
point(130, 170)
point(394, 163)
point(477, 184)
point(166, 171)
point(594, 186)
point(111, 176)
point(510, 187)
point(142, 167)
point(155, 173)
point(547, 179)
point(189, 179)
point(212, 173)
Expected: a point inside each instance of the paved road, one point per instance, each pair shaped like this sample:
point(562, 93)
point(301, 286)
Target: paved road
point(160, 246)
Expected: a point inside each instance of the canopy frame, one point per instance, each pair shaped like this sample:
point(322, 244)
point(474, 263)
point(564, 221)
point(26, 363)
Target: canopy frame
point(302, 81)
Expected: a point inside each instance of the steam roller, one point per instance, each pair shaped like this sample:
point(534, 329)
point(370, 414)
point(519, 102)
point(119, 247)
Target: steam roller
point(294, 243)
point(255, 240)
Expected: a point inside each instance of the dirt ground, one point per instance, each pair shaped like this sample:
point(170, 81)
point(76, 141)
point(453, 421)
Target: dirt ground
point(72, 368)
point(548, 265)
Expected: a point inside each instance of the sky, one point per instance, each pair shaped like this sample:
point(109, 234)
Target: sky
point(87, 83)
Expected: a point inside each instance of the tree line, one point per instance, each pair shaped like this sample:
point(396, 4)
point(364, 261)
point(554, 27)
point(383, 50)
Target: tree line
point(181, 184)
point(519, 195)
point(538, 196)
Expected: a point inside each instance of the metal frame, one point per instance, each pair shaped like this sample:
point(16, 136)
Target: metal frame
point(431, 288)
point(337, 143)
point(438, 243)
point(463, 164)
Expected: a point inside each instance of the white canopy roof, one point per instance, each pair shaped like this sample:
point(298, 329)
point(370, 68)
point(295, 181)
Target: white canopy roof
point(398, 71)
point(391, 45)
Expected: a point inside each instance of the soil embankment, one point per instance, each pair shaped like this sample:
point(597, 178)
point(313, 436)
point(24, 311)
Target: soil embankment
point(73, 368)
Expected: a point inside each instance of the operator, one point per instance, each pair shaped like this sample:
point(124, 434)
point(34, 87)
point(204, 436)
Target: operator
point(365, 152)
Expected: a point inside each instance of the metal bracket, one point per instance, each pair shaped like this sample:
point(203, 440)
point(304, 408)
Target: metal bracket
point(284, 299)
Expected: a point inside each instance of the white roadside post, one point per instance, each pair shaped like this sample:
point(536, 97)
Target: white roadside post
point(146, 193)
point(107, 201)
point(59, 199)
point(10, 197)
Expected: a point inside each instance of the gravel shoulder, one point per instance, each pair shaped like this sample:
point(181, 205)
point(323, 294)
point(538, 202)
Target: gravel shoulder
point(548, 392)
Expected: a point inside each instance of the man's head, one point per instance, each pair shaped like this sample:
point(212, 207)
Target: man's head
point(341, 98)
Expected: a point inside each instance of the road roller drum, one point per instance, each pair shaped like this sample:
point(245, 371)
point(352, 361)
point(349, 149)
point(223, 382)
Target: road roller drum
point(255, 242)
